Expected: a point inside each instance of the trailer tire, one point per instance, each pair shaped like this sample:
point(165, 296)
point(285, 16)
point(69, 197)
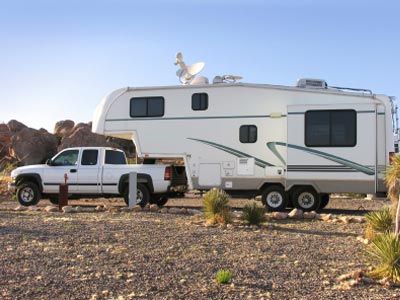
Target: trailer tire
point(324, 200)
point(28, 194)
point(143, 195)
point(305, 198)
point(274, 198)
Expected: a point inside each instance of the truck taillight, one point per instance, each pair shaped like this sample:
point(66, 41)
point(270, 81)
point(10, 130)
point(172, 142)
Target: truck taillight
point(168, 173)
point(391, 156)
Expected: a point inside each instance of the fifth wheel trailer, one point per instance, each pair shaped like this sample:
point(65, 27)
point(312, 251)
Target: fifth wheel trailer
point(287, 143)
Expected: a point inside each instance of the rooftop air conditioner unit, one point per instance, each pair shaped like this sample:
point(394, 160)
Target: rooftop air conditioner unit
point(312, 83)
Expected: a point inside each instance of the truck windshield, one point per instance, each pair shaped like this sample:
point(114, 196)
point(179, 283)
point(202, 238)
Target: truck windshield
point(115, 158)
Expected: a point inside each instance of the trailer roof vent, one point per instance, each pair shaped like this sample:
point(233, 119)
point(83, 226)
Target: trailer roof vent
point(312, 83)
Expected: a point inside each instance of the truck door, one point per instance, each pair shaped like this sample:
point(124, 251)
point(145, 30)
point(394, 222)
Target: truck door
point(66, 162)
point(332, 147)
point(88, 172)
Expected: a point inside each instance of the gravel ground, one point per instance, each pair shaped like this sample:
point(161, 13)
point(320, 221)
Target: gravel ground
point(163, 256)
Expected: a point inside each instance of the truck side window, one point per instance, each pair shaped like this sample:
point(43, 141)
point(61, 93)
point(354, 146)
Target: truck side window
point(89, 157)
point(66, 158)
point(248, 133)
point(330, 128)
point(115, 158)
point(200, 101)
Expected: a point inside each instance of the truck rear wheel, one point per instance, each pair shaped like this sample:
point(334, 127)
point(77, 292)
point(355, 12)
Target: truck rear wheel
point(274, 198)
point(142, 195)
point(28, 194)
point(53, 200)
point(305, 198)
point(159, 200)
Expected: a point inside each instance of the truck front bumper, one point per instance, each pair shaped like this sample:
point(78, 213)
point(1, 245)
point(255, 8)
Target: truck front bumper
point(12, 188)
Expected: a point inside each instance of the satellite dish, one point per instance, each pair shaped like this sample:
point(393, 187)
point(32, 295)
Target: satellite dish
point(187, 73)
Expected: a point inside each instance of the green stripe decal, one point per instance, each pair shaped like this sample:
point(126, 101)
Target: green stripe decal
point(237, 153)
point(342, 161)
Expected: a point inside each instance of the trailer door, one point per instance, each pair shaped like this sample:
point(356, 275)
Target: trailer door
point(332, 147)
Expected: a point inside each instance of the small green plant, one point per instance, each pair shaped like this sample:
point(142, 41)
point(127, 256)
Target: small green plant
point(380, 221)
point(253, 214)
point(216, 208)
point(385, 253)
point(223, 276)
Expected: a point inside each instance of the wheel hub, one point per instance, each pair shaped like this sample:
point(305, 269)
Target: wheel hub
point(274, 199)
point(306, 200)
point(27, 194)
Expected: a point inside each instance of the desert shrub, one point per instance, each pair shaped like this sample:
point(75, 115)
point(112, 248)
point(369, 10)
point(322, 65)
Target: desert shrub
point(216, 208)
point(223, 276)
point(385, 254)
point(380, 221)
point(253, 214)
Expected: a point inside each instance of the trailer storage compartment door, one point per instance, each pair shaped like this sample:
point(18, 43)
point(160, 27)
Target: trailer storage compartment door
point(332, 147)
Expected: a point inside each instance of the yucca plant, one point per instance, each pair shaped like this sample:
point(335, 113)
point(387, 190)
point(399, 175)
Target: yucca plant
point(392, 176)
point(216, 208)
point(379, 221)
point(223, 276)
point(385, 251)
point(253, 214)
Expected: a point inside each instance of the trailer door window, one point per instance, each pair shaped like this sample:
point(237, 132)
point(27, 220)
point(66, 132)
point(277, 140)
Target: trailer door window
point(330, 128)
point(147, 107)
point(200, 101)
point(248, 134)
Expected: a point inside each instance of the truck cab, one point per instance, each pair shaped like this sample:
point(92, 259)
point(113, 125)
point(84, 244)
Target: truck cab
point(91, 172)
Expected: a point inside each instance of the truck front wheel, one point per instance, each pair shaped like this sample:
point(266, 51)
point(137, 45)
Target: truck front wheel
point(142, 195)
point(28, 194)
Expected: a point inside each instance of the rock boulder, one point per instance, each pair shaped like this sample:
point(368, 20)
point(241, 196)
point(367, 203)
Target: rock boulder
point(15, 126)
point(30, 146)
point(63, 128)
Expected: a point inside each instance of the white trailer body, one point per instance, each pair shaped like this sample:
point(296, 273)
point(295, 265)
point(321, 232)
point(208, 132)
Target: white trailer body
point(251, 135)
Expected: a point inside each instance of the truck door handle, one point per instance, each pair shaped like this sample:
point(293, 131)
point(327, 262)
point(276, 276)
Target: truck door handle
point(72, 171)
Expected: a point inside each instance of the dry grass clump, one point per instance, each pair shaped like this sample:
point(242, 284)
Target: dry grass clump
point(378, 222)
point(216, 208)
point(253, 214)
point(385, 252)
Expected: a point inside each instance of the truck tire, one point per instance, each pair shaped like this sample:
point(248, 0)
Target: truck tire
point(143, 195)
point(274, 198)
point(160, 200)
point(28, 194)
point(53, 200)
point(305, 198)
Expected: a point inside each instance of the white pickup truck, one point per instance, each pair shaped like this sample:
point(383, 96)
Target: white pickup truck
point(94, 172)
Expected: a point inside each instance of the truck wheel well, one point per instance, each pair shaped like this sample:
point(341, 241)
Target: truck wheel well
point(34, 178)
point(141, 178)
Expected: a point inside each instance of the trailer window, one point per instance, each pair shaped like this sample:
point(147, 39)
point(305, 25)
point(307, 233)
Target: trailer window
point(248, 134)
point(331, 128)
point(200, 101)
point(115, 158)
point(89, 157)
point(147, 107)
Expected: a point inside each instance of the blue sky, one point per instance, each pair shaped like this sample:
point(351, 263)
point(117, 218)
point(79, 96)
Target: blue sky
point(59, 58)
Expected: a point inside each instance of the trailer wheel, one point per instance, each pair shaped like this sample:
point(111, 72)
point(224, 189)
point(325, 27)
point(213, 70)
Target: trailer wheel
point(274, 198)
point(28, 194)
point(142, 196)
point(305, 198)
point(324, 200)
